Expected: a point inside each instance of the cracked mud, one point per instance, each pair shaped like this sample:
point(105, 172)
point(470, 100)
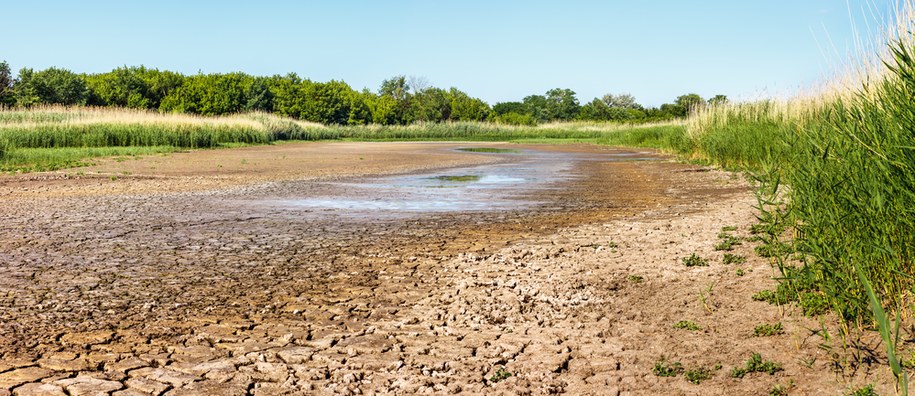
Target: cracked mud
point(179, 277)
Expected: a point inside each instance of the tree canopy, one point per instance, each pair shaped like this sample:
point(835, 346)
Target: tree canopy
point(398, 100)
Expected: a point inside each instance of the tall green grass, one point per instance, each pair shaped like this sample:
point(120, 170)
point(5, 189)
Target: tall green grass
point(45, 159)
point(70, 135)
point(847, 168)
point(55, 127)
point(839, 171)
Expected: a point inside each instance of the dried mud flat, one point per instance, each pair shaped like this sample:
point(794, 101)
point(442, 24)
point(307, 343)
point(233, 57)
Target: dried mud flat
point(166, 280)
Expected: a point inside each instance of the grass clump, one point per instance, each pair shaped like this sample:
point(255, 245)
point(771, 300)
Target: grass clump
point(781, 390)
point(458, 178)
point(663, 368)
point(866, 390)
point(733, 259)
point(500, 375)
point(489, 150)
point(767, 330)
point(756, 364)
point(727, 242)
point(40, 159)
point(697, 375)
point(687, 325)
point(774, 297)
point(694, 260)
point(635, 278)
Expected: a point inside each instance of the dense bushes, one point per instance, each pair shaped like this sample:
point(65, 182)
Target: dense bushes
point(847, 159)
point(329, 103)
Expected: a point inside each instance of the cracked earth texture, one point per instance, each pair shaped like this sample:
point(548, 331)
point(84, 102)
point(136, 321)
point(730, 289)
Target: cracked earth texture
point(169, 281)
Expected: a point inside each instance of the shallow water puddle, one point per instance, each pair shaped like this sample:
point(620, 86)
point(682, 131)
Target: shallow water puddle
point(503, 186)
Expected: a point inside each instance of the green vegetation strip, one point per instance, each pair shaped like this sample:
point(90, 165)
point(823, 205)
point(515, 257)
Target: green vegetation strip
point(458, 179)
point(489, 150)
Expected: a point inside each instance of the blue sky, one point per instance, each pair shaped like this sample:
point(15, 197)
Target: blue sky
point(495, 50)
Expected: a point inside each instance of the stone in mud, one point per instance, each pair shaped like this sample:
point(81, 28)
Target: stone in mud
point(58, 364)
point(21, 376)
point(87, 339)
point(39, 390)
point(147, 385)
point(272, 372)
point(296, 355)
point(168, 376)
point(87, 386)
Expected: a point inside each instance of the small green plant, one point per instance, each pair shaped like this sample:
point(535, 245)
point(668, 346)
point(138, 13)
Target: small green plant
point(774, 249)
point(687, 325)
point(488, 150)
point(740, 272)
point(500, 375)
point(663, 368)
point(694, 260)
point(866, 390)
point(728, 228)
point(809, 361)
point(727, 242)
point(635, 279)
point(705, 297)
point(889, 332)
point(767, 330)
point(733, 259)
point(458, 179)
point(774, 297)
point(756, 364)
point(698, 375)
point(813, 304)
point(781, 390)
point(910, 362)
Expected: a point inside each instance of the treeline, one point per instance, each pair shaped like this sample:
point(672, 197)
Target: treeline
point(398, 101)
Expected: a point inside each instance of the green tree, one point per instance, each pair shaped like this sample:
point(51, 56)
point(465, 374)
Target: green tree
point(52, 86)
point(689, 102)
point(6, 84)
point(562, 104)
point(509, 107)
point(513, 118)
point(598, 110)
point(430, 105)
point(160, 84)
point(383, 108)
point(397, 88)
point(538, 107)
point(124, 87)
point(672, 110)
point(360, 112)
point(718, 100)
point(466, 108)
point(288, 95)
point(327, 103)
point(621, 101)
point(208, 94)
point(258, 96)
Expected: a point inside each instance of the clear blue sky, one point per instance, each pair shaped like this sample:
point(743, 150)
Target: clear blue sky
point(495, 50)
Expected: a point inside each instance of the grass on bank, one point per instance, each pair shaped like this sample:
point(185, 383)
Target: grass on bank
point(54, 137)
point(836, 176)
point(46, 159)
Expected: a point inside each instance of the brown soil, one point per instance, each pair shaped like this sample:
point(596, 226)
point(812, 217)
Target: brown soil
point(163, 281)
